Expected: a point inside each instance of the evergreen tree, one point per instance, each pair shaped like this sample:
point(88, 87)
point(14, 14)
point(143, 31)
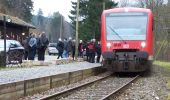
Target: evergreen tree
point(90, 16)
point(55, 26)
point(3, 4)
point(40, 17)
point(27, 7)
point(18, 8)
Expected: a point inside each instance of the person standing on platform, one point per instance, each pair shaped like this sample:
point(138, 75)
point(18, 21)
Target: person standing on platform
point(94, 50)
point(25, 44)
point(42, 46)
point(69, 46)
point(65, 52)
point(80, 49)
point(91, 51)
point(73, 49)
point(87, 51)
point(60, 48)
point(32, 43)
point(98, 51)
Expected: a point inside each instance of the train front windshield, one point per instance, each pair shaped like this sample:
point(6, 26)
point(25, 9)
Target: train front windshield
point(126, 26)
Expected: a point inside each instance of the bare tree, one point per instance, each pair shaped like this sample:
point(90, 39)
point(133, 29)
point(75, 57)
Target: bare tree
point(124, 3)
point(128, 3)
point(161, 26)
point(150, 3)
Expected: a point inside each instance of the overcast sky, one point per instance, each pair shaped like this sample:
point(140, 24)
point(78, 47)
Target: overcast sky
point(50, 6)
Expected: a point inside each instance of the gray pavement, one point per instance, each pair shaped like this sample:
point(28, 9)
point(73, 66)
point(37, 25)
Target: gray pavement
point(51, 57)
point(35, 72)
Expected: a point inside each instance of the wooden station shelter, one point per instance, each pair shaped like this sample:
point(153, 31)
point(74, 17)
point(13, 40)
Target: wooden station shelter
point(16, 28)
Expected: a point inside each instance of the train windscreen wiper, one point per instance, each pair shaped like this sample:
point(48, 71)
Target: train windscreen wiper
point(117, 34)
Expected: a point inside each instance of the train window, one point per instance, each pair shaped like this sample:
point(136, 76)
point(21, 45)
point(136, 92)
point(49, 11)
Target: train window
point(126, 14)
point(126, 27)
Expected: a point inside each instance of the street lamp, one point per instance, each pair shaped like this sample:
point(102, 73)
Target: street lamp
point(23, 34)
point(22, 37)
point(9, 20)
point(103, 4)
point(4, 22)
point(61, 26)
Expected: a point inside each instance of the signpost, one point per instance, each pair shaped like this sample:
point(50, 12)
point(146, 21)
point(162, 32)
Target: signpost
point(5, 19)
point(103, 5)
point(61, 26)
point(77, 24)
point(4, 35)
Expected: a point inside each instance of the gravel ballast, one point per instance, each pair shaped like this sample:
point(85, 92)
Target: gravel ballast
point(152, 87)
point(99, 89)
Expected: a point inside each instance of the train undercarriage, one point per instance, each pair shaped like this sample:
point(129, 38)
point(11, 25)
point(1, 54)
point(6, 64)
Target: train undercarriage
point(130, 61)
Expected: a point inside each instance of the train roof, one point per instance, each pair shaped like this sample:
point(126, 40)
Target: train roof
point(128, 9)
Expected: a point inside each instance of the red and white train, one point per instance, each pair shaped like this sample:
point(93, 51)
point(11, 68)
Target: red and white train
point(127, 39)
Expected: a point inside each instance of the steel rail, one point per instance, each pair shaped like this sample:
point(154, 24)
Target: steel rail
point(119, 89)
point(71, 89)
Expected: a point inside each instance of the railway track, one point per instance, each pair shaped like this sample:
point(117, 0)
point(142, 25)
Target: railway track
point(69, 90)
point(100, 89)
point(112, 94)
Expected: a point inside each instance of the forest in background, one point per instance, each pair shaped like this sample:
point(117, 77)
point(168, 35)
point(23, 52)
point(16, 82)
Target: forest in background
point(18, 8)
point(54, 25)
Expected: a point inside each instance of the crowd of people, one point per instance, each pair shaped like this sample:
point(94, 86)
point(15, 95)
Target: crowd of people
point(66, 48)
point(35, 44)
point(90, 49)
point(93, 48)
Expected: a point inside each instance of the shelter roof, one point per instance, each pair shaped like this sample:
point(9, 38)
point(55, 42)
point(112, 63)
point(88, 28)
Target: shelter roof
point(17, 21)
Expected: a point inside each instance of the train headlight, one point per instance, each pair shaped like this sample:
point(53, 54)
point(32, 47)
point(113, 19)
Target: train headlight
point(143, 44)
point(108, 45)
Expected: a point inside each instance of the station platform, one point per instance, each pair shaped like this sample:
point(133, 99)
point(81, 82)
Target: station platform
point(21, 74)
point(36, 76)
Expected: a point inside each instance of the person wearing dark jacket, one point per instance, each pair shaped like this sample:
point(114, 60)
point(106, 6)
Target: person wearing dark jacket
point(60, 48)
point(41, 46)
point(25, 44)
point(98, 51)
point(69, 46)
point(80, 49)
point(73, 49)
point(87, 51)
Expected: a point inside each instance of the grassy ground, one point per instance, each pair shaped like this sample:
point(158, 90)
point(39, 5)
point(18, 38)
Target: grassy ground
point(1, 68)
point(7, 68)
point(168, 97)
point(163, 64)
point(167, 66)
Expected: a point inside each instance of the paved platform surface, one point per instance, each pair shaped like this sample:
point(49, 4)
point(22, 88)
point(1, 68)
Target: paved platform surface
point(35, 72)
